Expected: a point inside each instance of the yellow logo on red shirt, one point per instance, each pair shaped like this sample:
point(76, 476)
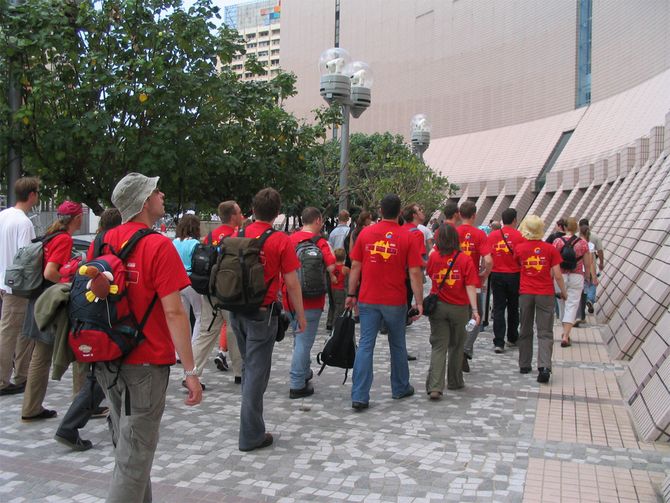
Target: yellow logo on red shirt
point(466, 246)
point(501, 247)
point(535, 261)
point(453, 275)
point(383, 248)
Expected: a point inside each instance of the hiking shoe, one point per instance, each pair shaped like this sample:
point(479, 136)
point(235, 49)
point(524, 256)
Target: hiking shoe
point(220, 362)
point(78, 444)
point(359, 405)
point(498, 350)
point(13, 389)
point(525, 370)
point(301, 393)
point(99, 412)
point(543, 375)
point(45, 414)
point(267, 442)
point(409, 392)
point(589, 306)
point(466, 364)
point(435, 395)
point(511, 344)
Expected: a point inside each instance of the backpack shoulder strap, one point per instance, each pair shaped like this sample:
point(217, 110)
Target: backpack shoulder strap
point(134, 239)
point(240, 232)
point(210, 238)
point(264, 237)
point(98, 243)
point(47, 237)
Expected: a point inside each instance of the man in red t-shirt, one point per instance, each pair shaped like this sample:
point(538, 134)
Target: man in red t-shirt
point(540, 265)
point(135, 387)
point(211, 320)
point(256, 332)
point(505, 281)
point(382, 255)
point(474, 243)
point(301, 373)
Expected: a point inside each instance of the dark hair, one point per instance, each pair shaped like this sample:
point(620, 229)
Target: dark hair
point(409, 211)
point(467, 209)
point(24, 186)
point(340, 254)
point(109, 219)
point(188, 227)
point(310, 215)
point(562, 223)
point(266, 204)
point(226, 211)
point(390, 206)
point(508, 216)
point(343, 216)
point(584, 221)
point(447, 239)
point(450, 209)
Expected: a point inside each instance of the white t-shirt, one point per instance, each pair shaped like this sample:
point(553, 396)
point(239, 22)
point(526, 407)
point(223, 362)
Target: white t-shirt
point(427, 234)
point(16, 231)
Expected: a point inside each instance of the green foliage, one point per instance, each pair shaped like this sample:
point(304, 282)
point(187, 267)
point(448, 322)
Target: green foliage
point(114, 86)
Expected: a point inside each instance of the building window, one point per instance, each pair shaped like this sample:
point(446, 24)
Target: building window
point(584, 32)
point(251, 45)
point(275, 32)
point(263, 34)
point(262, 53)
point(275, 41)
point(274, 52)
point(274, 62)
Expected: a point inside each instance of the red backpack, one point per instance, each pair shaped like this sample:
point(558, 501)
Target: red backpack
point(102, 326)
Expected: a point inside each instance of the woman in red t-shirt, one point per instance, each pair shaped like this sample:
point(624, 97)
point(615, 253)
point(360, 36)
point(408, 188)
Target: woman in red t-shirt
point(57, 252)
point(457, 297)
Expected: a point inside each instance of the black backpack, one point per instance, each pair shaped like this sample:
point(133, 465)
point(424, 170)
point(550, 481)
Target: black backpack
point(568, 254)
point(238, 277)
point(312, 272)
point(340, 348)
point(202, 262)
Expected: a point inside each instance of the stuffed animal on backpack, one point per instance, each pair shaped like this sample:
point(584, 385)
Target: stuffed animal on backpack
point(100, 285)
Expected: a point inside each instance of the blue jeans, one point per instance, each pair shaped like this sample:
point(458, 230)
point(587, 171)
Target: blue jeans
point(302, 347)
point(371, 318)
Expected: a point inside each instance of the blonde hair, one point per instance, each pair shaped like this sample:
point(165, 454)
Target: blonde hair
point(571, 225)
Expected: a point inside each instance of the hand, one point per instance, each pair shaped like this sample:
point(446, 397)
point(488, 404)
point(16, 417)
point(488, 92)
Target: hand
point(476, 317)
point(350, 302)
point(194, 390)
point(419, 309)
point(564, 294)
point(333, 279)
point(594, 279)
point(302, 322)
point(601, 266)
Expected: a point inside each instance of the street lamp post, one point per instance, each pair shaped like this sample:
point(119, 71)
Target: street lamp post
point(420, 134)
point(346, 84)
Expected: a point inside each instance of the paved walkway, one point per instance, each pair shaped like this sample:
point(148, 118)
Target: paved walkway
point(503, 438)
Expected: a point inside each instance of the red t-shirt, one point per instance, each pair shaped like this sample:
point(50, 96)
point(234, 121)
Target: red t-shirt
point(153, 267)
point(417, 238)
point(222, 231)
point(328, 259)
point(341, 275)
point(277, 256)
point(503, 257)
point(462, 273)
point(581, 248)
point(58, 250)
point(385, 252)
point(536, 258)
point(474, 244)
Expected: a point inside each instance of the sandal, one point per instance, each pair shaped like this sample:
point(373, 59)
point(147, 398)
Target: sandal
point(566, 343)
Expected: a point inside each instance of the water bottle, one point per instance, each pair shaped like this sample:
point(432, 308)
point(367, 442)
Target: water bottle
point(471, 325)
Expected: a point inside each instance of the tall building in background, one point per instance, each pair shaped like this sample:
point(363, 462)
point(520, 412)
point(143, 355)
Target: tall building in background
point(258, 23)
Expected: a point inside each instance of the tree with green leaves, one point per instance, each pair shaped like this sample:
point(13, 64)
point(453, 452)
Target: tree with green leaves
point(114, 86)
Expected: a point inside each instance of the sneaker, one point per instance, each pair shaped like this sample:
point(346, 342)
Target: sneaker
point(466, 364)
point(99, 412)
point(45, 414)
point(409, 392)
point(435, 395)
point(267, 442)
point(498, 350)
point(359, 405)
point(220, 362)
point(308, 390)
point(511, 344)
point(13, 389)
point(543, 375)
point(78, 444)
point(525, 370)
point(589, 306)
point(238, 379)
point(411, 358)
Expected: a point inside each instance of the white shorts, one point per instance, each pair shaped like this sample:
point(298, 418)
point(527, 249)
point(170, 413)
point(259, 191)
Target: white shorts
point(574, 284)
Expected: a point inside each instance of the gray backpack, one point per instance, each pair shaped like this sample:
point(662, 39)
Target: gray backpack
point(312, 272)
point(26, 276)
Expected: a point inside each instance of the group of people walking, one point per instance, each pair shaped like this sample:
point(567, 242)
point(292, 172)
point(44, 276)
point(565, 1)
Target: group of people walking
point(377, 269)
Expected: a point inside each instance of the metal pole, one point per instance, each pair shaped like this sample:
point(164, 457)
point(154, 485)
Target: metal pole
point(344, 159)
point(14, 151)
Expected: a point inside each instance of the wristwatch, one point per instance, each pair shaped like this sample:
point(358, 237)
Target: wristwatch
point(192, 372)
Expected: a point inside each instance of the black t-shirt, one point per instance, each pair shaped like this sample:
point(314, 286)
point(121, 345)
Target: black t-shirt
point(554, 236)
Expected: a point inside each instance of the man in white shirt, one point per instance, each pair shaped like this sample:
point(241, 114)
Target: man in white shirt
point(16, 231)
point(339, 233)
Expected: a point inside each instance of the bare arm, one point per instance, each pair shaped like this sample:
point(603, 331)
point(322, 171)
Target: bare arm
point(488, 265)
point(416, 280)
point(295, 296)
point(472, 297)
point(354, 277)
point(601, 259)
point(51, 272)
point(558, 276)
point(180, 331)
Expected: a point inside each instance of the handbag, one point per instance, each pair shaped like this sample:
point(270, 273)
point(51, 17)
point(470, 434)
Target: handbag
point(430, 302)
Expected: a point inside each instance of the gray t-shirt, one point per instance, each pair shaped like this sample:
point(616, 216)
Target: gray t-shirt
point(337, 236)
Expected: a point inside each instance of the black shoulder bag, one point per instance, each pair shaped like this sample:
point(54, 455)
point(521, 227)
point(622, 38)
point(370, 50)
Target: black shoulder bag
point(430, 302)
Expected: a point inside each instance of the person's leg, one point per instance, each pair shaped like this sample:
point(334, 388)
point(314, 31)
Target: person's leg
point(302, 349)
point(574, 284)
point(195, 301)
point(137, 432)
point(544, 322)
point(88, 399)
point(525, 343)
point(15, 351)
point(210, 328)
point(395, 318)
point(233, 349)
point(38, 379)
point(362, 375)
point(458, 317)
point(439, 341)
point(499, 291)
point(513, 308)
point(468, 350)
point(256, 334)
